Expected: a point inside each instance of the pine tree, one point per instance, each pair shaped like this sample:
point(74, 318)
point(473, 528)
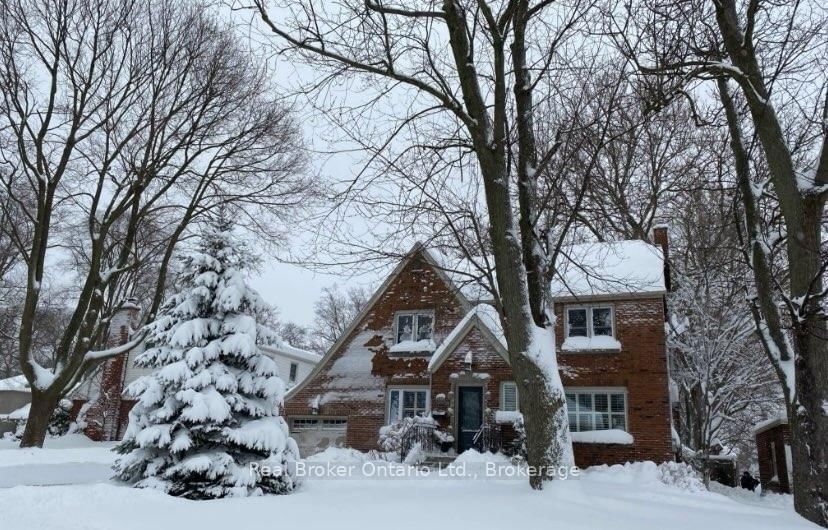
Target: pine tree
point(207, 423)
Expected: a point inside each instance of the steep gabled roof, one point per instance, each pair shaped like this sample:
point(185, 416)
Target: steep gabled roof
point(417, 250)
point(485, 318)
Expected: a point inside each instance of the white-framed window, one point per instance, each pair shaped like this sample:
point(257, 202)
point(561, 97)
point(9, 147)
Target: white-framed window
point(596, 409)
point(508, 396)
point(414, 326)
point(407, 402)
point(590, 321)
point(294, 369)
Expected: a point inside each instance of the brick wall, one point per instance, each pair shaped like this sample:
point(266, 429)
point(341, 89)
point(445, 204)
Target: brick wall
point(768, 441)
point(105, 415)
point(488, 371)
point(352, 383)
point(640, 367)
point(341, 389)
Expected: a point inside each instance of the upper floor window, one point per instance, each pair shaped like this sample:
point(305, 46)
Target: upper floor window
point(294, 368)
point(591, 321)
point(415, 327)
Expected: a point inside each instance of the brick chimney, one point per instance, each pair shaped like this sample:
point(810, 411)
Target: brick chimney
point(662, 239)
point(103, 415)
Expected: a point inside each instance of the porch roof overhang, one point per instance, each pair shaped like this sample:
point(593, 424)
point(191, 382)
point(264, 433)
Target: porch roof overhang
point(482, 317)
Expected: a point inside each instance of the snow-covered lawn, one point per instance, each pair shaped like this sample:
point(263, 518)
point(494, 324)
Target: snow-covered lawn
point(620, 498)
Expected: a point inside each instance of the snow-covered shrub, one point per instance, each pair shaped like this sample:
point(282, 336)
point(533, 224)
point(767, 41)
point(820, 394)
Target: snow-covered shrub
point(207, 421)
point(517, 447)
point(681, 475)
point(61, 419)
point(391, 435)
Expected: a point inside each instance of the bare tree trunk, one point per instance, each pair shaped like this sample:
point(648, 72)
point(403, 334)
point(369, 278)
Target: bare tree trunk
point(479, 103)
point(809, 414)
point(43, 405)
point(809, 395)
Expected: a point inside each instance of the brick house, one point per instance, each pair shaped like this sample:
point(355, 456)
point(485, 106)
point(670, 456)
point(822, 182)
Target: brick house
point(428, 343)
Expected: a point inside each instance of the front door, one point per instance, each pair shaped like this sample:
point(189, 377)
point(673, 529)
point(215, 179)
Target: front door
point(470, 415)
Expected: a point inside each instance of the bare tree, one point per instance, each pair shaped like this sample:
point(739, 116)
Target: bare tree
point(124, 117)
point(724, 378)
point(774, 54)
point(335, 310)
point(468, 72)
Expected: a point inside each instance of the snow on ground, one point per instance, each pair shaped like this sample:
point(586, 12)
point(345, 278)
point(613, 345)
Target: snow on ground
point(631, 497)
point(70, 459)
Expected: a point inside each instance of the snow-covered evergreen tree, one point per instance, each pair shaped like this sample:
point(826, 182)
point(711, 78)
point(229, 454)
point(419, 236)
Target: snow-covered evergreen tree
point(207, 421)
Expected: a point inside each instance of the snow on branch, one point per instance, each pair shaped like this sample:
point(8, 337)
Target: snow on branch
point(115, 351)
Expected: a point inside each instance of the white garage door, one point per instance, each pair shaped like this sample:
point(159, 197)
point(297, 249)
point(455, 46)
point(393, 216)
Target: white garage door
point(316, 434)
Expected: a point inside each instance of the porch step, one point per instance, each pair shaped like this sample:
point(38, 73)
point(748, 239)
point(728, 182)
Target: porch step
point(438, 460)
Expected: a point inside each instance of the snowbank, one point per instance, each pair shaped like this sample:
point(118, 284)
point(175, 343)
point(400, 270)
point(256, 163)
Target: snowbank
point(340, 455)
point(474, 457)
point(70, 459)
point(628, 497)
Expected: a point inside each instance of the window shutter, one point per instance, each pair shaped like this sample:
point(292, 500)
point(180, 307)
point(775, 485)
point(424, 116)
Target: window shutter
point(510, 397)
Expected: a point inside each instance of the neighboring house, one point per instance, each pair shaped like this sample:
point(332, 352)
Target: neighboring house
point(773, 448)
point(15, 396)
point(294, 364)
point(427, 343)
point(104, 407)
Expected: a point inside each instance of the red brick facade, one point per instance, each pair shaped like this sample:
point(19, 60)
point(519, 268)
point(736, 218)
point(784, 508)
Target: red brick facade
point(360, 397)
point(640, 367)
point(107, 414)
point(353, 380)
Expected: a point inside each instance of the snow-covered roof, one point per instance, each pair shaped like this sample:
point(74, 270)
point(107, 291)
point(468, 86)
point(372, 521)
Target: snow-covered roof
point(17, 415)
point(17, 382)
point(283, 348)
point(484, 317)
point(609, 268)
point(587, 269)
point(770, 424)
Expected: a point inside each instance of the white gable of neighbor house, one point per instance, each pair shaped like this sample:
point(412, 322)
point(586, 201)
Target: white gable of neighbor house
point(133, 372)
point(284, 355)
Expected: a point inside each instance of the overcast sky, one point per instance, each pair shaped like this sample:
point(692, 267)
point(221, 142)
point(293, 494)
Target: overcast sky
point(293, 289)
